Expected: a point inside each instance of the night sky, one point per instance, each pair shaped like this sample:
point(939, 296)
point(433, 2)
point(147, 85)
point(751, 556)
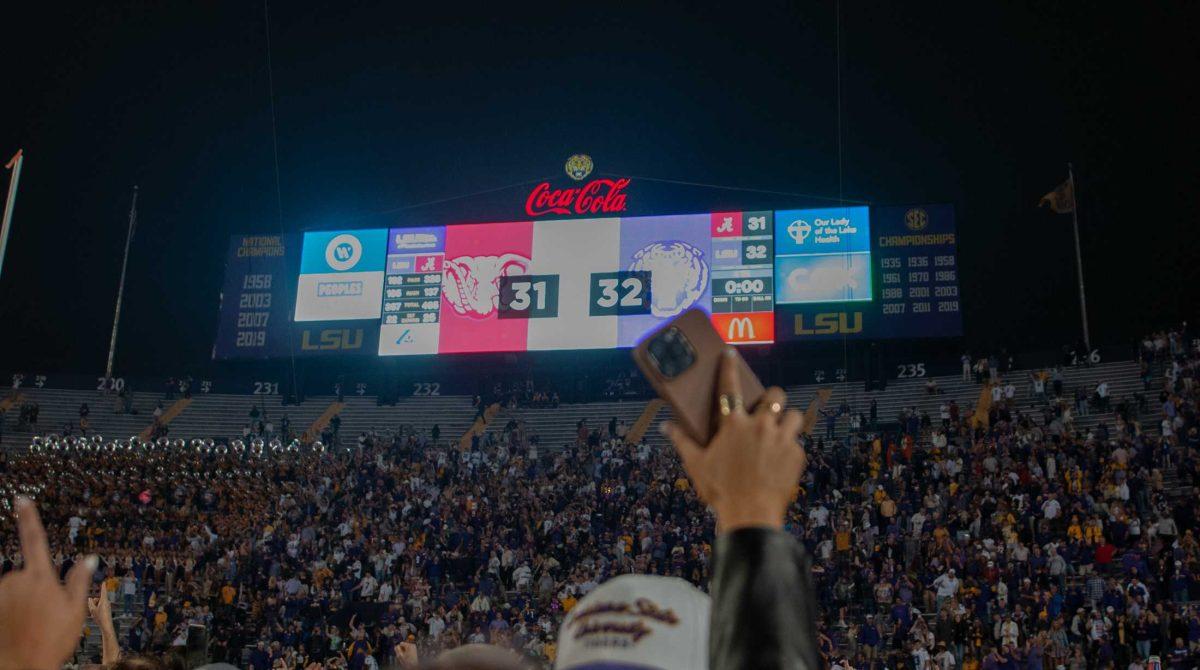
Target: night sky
point(383, 107)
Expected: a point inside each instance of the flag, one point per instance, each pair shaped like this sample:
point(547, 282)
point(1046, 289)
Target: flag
point(1061, 199)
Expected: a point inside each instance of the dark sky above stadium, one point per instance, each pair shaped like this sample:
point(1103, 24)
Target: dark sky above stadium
point(383, 106)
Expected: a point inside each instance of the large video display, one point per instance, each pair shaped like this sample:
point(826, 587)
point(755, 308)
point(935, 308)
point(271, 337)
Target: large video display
point(595, 283)
point(542, 285)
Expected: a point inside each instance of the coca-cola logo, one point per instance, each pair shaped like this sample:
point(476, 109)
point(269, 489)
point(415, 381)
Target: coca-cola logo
point(595, 197)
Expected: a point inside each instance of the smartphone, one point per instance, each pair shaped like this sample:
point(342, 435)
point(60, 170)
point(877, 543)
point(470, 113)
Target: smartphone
point(681, 360)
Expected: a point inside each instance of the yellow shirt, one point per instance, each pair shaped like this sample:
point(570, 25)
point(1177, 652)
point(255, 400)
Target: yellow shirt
point(841, 540)
point(551, 651)
point(227, 594)
point(568, 603)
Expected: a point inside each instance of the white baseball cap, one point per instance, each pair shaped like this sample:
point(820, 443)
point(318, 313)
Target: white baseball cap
point(637, 622)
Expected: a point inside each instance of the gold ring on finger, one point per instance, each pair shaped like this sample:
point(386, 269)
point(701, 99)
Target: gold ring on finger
point(738, 405)
point(723, 405)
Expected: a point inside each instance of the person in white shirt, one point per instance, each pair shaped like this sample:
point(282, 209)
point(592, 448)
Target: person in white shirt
point(944, 660)
point(947, 587)
point(920, 657)
point(819, 515)
point(385, 592)
point(436, 625)
point(1051, 508)
point(1009, 633)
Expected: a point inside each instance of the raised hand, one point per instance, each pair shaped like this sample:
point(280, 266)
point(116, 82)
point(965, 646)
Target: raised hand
point(41, 620)
point(749, 471)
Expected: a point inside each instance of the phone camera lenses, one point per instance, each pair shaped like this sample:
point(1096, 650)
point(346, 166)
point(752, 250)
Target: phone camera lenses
point(671, 352)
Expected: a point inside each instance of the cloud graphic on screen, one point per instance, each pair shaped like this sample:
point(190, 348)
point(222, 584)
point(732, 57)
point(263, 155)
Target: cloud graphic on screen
point(471, 284)
point(823, 281)
point(678, 275)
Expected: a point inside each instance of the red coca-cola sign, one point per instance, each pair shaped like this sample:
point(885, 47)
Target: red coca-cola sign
point(599, 196)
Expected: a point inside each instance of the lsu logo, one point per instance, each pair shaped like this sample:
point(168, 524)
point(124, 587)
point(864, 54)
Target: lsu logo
point(678, 275)
point(332, 339)
point(343, 252)
point(578, 167)
point(830, 323)
point(916, 219)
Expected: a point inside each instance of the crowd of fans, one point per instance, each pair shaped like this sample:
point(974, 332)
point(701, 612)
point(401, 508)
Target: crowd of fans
point(1000, 538)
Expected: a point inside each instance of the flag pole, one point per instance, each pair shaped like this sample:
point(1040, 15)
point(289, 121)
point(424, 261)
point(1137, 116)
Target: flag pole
point(11, 202)
point(1087, 340)
point(112, 342)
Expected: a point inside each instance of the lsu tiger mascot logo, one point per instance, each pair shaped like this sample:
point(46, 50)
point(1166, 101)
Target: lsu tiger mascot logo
point(678, 275)
point(471, 284)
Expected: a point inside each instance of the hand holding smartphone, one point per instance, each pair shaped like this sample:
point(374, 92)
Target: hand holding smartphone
point(737, 441)
point(681, 360)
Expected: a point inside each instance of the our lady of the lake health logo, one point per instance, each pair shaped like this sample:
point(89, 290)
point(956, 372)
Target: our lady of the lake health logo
point(799, 230)
point(343, 252)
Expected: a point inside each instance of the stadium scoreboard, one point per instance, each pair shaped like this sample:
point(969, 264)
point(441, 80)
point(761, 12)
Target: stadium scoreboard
point(592, 283)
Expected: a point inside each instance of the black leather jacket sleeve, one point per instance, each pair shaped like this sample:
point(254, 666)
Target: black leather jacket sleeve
point(763, 605)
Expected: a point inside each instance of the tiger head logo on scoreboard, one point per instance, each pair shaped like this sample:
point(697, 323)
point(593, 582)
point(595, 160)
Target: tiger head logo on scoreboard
point(471, 284)
point(678, 275)
point(578, 166)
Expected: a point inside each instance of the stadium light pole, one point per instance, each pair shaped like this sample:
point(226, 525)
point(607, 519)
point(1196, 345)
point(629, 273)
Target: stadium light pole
point(15, 166)
point(112, 342)
point(1087, 340)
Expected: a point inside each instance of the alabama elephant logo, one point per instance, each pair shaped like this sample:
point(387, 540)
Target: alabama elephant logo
point(471, 284)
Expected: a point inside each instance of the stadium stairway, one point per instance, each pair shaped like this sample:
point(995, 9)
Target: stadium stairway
point(314, 430)
point(479, 427)
point(642, 425)
point(10, 401)
point(167, 417)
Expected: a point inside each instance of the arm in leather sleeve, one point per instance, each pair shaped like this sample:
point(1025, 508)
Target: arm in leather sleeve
point(763, 605)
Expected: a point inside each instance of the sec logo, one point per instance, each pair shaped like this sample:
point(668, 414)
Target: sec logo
point(916, 219)
point(343, 252)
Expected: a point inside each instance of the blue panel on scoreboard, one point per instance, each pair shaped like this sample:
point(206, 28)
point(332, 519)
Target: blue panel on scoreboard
point(914, 281)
